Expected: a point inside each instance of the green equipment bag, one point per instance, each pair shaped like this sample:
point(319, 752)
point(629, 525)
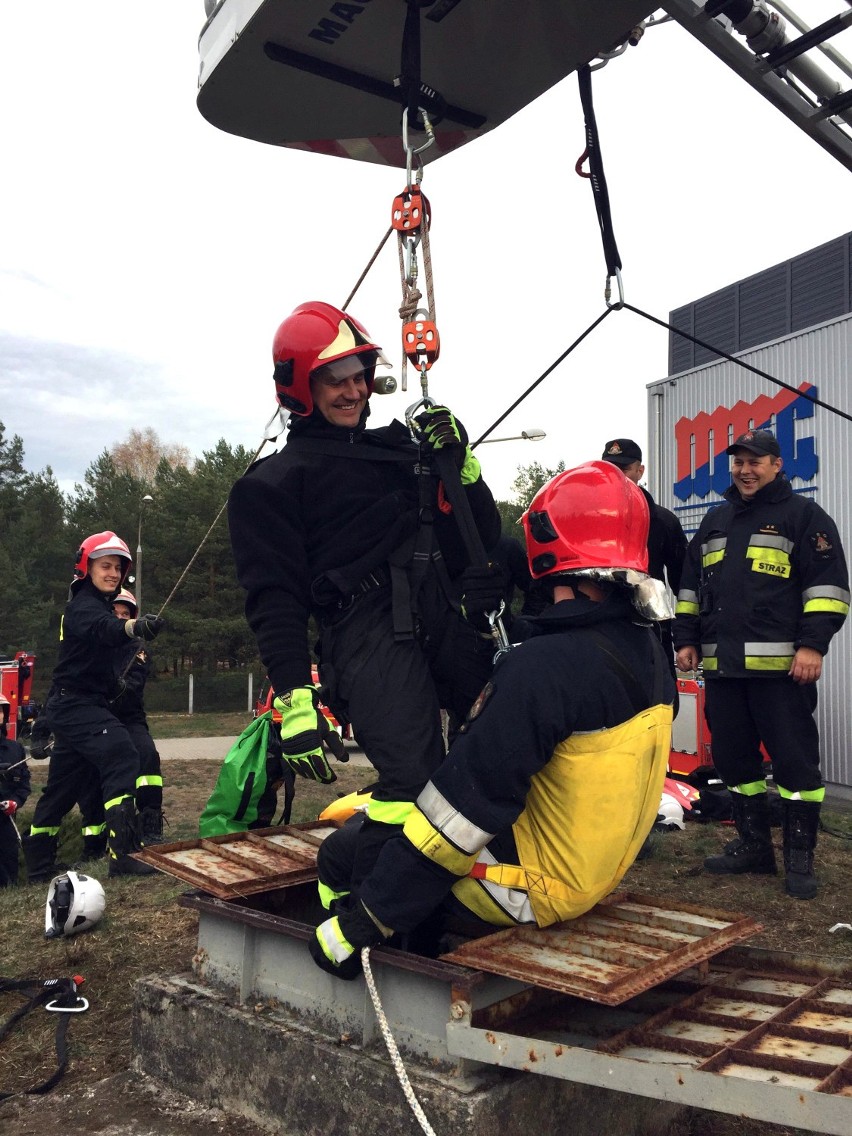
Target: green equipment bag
point(232, 805)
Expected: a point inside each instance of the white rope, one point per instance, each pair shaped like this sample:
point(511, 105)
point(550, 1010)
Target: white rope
point(393, 1050)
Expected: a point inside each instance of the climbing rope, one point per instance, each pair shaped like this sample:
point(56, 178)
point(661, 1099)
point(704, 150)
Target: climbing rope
point(392, 1047)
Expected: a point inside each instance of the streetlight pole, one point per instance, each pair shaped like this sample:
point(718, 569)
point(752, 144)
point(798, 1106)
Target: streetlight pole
point(146, 500)
point(531, 435)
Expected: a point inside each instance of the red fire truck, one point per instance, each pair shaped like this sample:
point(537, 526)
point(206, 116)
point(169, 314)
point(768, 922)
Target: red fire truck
point(16, 680)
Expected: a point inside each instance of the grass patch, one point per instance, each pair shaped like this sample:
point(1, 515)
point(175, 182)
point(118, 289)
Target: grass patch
point(198, 725)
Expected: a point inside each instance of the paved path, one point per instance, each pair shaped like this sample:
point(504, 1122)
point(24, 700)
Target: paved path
point(215, 749)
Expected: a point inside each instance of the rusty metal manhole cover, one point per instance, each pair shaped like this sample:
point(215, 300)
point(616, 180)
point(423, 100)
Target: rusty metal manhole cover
point(621, 947)
point(244, 863)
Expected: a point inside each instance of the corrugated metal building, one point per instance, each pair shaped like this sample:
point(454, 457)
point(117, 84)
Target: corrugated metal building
point(794, 322)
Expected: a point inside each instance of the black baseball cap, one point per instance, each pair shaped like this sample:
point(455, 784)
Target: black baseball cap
point(760, 442)
point(621, 451)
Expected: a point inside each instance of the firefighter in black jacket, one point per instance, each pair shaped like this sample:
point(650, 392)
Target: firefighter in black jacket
point(129, 708)
point(353, 527)
point(14, 790)
point(764, 589)
point(89, 739)
point(554, 782)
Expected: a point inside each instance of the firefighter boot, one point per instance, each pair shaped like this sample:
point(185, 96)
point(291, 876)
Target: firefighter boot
point(752, 851)
point(151, 821)
point(94, 846)
point(801, 824)
point(122, 822)
point(40, 857)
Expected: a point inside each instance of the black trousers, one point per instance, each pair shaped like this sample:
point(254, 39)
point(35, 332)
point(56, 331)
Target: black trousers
point(89, 741)
point(9, 846)
point(743, 712)
point(392, 691)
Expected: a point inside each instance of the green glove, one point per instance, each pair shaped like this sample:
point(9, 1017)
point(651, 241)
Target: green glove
point(304, 732)
point(442, 431)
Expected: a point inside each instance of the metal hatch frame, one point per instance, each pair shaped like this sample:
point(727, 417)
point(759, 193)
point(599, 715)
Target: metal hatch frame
point(770, 1067)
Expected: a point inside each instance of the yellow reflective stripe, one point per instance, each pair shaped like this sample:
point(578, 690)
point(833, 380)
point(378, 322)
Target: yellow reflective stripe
point(749, 789)
point(117, 800)
point(683, 607)
point(389, 812)
point(434, 846)
point(772, 555)
point(335, 946)
point(328, 895)
point(93, 829)
point(768, 662)
point(710, 663)
point(826, 605)
point(812, 795)
point(141, 782)
point(447, 819)
point(44, 831)
point(62, 628)
point(477, 899)
point(712, 558)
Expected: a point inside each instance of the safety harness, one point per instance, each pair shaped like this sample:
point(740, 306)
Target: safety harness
point(57, 995)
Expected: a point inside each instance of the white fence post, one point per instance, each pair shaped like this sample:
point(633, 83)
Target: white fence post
point(191, 692)
point(250, 706)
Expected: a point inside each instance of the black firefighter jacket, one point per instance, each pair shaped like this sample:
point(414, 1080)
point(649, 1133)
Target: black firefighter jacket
point(331, 506)
point(761, 578)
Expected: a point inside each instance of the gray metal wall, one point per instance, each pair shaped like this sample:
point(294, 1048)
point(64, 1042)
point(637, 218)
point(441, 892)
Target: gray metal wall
point(821, 355)
point(788, 297)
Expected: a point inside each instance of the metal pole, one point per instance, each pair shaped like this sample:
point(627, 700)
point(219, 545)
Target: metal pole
point(145, 501)
point(191, 692)
point(250, 692)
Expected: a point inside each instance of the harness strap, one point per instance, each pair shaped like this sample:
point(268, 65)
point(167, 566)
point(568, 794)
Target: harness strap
point(58, 994)
point(598, 180)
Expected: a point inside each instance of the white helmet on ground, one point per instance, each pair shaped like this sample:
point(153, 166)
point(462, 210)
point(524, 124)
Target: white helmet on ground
point(75, 902)
point(670, 813)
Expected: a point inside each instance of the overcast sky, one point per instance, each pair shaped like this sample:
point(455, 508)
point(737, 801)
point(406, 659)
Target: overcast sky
point(147, 258)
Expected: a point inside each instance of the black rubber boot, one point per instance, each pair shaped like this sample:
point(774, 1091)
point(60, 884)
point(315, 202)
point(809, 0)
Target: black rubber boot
point(95, 846)
point(801, 825)
point(752, 850)
point(123, 838)
point(40, 857)
point(151, 820)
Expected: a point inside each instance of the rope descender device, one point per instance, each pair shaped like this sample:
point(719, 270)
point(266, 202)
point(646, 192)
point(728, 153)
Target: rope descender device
point(411, 218)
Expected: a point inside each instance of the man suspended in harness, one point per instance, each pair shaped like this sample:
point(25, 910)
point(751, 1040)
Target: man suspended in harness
point(352, 526)
point(554, 781)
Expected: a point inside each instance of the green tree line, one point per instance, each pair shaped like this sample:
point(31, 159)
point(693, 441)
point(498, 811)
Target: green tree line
point(186, 551)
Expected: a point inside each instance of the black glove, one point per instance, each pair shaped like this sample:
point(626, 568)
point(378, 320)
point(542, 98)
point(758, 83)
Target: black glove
point(441, 431)
point(304, 732)
point(336, 944)
point(42, 748)
point(482, 593)
point(146, 627)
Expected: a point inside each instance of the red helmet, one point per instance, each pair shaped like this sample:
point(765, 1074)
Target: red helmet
point(313, 335)
point(97, 545)
point(591, 516)
point(128, 598)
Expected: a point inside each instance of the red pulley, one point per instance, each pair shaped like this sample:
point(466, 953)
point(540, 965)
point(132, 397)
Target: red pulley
point(410, 209)
point(421, 342)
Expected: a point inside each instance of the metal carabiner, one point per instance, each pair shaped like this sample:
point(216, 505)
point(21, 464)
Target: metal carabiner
point(608, 291)
point(498, 631)
point(410, 151)
point(425, 403)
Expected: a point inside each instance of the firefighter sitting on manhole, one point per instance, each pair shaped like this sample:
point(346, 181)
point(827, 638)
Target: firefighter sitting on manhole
point(554, 781)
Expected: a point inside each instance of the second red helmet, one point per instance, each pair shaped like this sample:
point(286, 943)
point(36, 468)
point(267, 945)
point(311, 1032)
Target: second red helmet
point(591, 516)
point(315, 334)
